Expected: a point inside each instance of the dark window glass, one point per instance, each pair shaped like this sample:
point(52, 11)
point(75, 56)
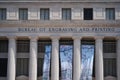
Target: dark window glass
point(66, 13)
point(3, 13)
point(22, 66)
point(109, 46)
point(44, 14)
point(110, 67)
point(110, 14)
point(3, 46)
point(23, 14)
point(23, 46)
point(40, 67)
point(3, 67)
point(42, 44)
point(88, 14)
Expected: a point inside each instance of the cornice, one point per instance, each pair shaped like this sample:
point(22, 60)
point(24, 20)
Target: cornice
point(60, 24)
point(65, 1)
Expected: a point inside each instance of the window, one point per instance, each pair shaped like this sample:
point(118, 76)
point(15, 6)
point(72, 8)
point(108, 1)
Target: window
point(3, 46)
point(109, 46)
point(2, 13)
point(42, 44)
point(89, 42)
point(110, 67)
point(88, 14)
point(22, 66)
point(67, 44)
point(40, 67)
point(3, 67)
point(66, 13)
point(23, 46)
point(110, 14)
point(23, 14)
point(44, 14)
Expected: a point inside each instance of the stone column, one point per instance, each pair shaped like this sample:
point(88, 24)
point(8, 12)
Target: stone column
point(11, 72)
point(118, 58)
point(33, 59)
point(55, 58)
point(99, 59)
point(77, 58)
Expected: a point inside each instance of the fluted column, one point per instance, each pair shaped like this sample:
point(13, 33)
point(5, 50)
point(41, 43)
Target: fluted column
point(11, 72)
point(77, 58)
point(99, 75)
point(33, 59)
point(55, 58)
point(118, 58)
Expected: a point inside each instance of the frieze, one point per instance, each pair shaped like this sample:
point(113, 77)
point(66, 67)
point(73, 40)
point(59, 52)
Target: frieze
point(60, 30)
point(68, 30)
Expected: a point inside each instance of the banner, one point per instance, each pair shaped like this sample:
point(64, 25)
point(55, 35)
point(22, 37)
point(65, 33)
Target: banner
point(66, 61)
point(87, 62)
point(46, 65)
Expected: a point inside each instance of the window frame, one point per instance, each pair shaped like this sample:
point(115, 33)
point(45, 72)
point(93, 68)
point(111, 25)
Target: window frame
point(87, 12)
point(110, 13)
point(44, 14)
point(3, 14)
point(66, 13)
point(23, 13)
point(19, 43)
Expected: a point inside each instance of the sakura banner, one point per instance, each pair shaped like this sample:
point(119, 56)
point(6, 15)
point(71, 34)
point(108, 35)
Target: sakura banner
point(46, 65)
point(87, 62)
point(66, 52)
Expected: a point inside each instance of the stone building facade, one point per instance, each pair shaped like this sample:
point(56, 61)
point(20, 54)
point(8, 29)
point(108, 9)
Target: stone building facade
point(26, 26)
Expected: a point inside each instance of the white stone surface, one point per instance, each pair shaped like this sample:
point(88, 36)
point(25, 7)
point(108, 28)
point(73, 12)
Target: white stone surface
point(77, 58)
point(55, 13)
point(55, 58)
point(118, 58)
point(33, 59)
point(117, 13)
point(77, 14)
point(55, 10)
point(33, 13)
point(99, 59)
point(12, 13)
point(11, 72)
point(99, 13)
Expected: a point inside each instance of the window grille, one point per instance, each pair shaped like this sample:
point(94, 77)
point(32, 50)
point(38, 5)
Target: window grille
point(66, 13)
point(23, 46)
point(3, 46)
point(22, 66)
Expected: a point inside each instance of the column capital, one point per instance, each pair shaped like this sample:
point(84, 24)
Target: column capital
point(33, 38)
point(77, 37)
point(55, 37)
point(11, 37)
point(98, 37)
point(117, 37)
